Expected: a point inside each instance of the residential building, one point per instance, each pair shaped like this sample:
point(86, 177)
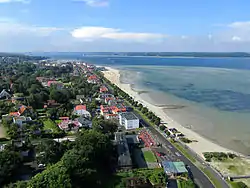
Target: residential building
point(68, 125)
point(129, 120)
point(25, 110)
point(107, 99)
point(86, 122)
point(20, 120)
point(103, 89)
point(119, 108)
point(81, 110)
point(58, 85)
point(124, 159)
point(93, 79)
point(4, 94)
point(111, 116)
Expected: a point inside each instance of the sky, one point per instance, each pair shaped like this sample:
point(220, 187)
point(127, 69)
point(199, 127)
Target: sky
point(124, 25)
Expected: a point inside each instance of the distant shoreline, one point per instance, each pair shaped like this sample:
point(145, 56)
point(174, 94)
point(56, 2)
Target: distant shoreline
point(245, 57)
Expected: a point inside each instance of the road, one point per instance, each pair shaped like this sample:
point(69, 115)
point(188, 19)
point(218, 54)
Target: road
point(199, 177)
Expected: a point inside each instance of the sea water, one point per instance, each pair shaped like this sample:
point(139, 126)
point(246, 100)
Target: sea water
point(208, 95)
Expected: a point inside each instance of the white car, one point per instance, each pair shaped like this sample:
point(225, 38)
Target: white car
point(177, 153)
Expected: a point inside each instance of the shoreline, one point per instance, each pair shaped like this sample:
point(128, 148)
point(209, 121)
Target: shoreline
point(203, 144)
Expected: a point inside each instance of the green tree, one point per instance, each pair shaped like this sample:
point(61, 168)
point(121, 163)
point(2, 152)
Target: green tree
point(105, 126)
point(9, 162)
point(49, 151)
point(55, 176)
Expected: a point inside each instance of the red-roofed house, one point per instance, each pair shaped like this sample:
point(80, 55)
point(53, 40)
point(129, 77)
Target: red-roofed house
point(119, 108)
point(58, 85)
point(25, 110)
point(81, 110)
point(93, 79)
point(107, 112)
point(103, 89)
point(14, 114)
point(107, 99)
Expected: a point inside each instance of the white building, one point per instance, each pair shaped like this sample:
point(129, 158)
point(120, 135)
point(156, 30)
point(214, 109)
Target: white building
point(129, 120)
point(20, 120)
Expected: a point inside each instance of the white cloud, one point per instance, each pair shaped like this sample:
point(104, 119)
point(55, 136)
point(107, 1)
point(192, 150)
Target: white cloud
point(236, 38)
point(240, 25)
point(16, 1)
point(95, 3)
point(112, 33)
point(10, 27)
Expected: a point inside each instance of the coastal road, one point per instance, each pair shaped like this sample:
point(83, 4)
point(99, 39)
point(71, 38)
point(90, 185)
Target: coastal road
point(199, 177)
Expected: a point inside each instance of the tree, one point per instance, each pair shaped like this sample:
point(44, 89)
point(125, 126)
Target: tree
point(88, 163)
point(19, 184)
point(105, 126)
point(9, 162)
point(162, 127)
point(144, 110)
point(54, 176)
point(49, 152)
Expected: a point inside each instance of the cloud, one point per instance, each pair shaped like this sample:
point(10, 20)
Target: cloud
point(237, 31)
point(236, 38)
point(92, 33)
point(95, 3)
point(240, 25)
point(15, 1)
point(10, 27)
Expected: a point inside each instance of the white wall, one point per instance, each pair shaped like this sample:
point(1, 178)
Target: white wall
point(132, 124)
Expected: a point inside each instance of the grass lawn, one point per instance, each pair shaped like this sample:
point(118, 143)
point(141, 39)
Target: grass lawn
point(58, 121)
point(50, 125)
point(149, 156)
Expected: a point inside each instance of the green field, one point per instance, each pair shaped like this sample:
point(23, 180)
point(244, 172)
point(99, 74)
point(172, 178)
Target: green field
point(149, 156)
point(50, 125)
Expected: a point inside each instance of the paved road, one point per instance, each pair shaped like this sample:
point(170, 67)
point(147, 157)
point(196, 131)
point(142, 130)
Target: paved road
point(199, 177)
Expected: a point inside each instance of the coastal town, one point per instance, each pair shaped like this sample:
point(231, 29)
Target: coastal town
point(68, 124)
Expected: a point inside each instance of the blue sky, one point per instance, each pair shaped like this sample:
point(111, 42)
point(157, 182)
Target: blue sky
point(124, 25)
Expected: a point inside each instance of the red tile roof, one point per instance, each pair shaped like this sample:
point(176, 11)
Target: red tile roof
point(103, 89)
point(80, 107)
point(14, 114)
point(22, 109)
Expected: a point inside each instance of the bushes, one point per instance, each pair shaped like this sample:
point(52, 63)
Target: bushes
point(218, 156)
point(238, 185)
point(185, 140)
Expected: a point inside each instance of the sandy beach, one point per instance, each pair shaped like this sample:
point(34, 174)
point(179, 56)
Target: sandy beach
point(203, 144)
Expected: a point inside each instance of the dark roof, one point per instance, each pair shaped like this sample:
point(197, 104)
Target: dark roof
point(129, 115)
point(132, 139)
point(85, 121)
point(124, 159)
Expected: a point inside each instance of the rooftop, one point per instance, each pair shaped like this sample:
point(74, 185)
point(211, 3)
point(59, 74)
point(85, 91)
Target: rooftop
point(174, 167)
point(124, 158)
point(80, 107)
point(129, 116)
